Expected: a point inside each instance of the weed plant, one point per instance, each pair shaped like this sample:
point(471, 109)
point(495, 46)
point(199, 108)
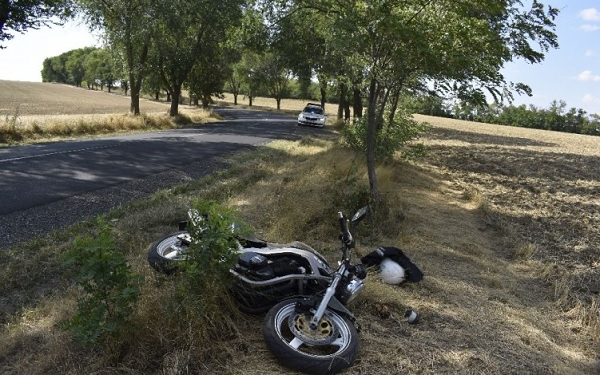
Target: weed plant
point(110, 289)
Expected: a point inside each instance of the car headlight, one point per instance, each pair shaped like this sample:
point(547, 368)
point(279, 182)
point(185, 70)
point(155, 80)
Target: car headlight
point(301, 117)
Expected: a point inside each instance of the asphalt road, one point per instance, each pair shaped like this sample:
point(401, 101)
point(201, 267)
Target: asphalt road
point(46, 186)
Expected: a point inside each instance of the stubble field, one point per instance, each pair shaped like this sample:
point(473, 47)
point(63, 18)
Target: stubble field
point(32, 99)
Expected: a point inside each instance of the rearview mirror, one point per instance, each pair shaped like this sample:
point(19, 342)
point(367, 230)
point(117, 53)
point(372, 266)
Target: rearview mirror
point(360, 214)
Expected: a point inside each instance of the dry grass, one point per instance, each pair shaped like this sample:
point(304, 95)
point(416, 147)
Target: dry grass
point(503, 222)
point(31, 111)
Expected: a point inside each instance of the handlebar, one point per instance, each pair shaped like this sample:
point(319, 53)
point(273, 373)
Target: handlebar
point(343, 222)
point(346, 236)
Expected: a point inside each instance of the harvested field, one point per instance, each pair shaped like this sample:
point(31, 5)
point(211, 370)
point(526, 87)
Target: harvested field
point(545, 185)
point(43, 99)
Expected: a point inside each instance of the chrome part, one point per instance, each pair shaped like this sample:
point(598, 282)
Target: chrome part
point(335, 333)
point(174, 248)
point(351, 290)
point(328, 294)
point(277, 280)
point(360, 214)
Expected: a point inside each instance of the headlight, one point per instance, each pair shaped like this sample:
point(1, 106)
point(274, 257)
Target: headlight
point(301, 117)
point(351, 290)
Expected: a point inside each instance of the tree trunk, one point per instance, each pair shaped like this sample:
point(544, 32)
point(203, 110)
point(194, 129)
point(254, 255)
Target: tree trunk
point(371, 133)
point(357, 106)
point(135, 94)
point(235, 95)
point(382, 106)
point(249, 101)
point(135, 103)
point(342, 102)
point(174, 109)
point(278, 100)
point(205, 102)
point(394, 108)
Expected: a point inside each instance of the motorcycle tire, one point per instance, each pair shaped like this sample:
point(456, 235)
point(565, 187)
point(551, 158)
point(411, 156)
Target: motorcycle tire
point(331, 349)
point(157, 254)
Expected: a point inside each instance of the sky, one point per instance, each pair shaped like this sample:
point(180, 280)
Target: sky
point(570, 73)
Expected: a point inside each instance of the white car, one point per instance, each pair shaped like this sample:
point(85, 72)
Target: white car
point(312, 115)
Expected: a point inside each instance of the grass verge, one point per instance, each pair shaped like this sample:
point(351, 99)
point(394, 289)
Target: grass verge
point(481, 310)
point(30, 129)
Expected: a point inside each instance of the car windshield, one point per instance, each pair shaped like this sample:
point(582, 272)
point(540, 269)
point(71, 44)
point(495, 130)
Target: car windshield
point(314, 110)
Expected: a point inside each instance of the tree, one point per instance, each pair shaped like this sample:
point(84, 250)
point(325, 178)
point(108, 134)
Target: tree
point(54, 69)
point(20, 16)
point(207, 78)
point(274, 75)
point(461, 44)
point(250, 74)
point(187, 30)
point(128, 26)
point(75, 66)
point(235, 80)
point(250, 38)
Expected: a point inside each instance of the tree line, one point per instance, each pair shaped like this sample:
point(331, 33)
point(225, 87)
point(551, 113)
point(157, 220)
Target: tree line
point(557, 117)
point(374, 53)
point(93, 66)
point(97, 68)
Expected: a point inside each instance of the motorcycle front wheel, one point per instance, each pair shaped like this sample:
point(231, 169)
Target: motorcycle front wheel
point(332, 347)
point(164, 254)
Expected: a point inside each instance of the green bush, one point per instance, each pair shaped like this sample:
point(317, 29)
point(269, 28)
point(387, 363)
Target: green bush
point(213, 251)
point(110, 288)
point(202, 300)
point(390, 136)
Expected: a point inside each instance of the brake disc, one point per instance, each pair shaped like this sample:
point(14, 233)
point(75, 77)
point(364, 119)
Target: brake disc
point(325, 334)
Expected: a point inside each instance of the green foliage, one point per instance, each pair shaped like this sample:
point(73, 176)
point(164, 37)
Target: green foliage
point(127, 26)
point(93, 65)
point(213, 252)
point(110, 288)
point(390, 137)
point(20, 16)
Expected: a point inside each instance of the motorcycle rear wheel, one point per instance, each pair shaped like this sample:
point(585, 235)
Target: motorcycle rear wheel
point(332, 348)
point(161, 254)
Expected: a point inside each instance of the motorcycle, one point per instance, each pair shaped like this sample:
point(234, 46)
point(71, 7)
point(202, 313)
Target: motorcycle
point(307, 325)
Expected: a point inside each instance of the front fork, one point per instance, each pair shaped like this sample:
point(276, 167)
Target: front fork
point(314, 322)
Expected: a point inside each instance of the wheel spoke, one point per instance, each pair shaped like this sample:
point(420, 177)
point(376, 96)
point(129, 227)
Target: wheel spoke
point(295, 343)
point(340, 341)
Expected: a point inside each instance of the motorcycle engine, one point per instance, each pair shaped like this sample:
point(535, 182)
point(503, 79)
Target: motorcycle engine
point(260, 267)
